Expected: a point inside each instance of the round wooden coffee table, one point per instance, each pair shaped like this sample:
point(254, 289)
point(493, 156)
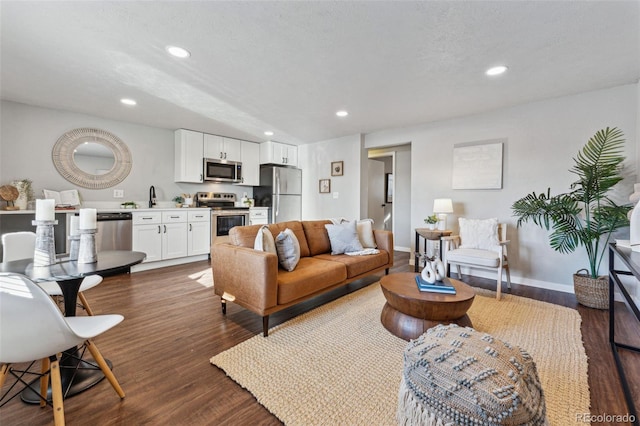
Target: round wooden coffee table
point(410, 312)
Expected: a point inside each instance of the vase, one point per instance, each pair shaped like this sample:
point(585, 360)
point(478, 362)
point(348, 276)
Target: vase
point(23, 196)
point(431, 226)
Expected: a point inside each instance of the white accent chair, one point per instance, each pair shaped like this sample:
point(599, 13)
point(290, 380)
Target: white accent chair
point(33, 328)
point(21, 245)
point(482, 244)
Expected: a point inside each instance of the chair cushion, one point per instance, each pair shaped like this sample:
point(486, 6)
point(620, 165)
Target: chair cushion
point(459, 376)
point(288, 249)
point(479, 234)
point(474, 256)
point(344, 237)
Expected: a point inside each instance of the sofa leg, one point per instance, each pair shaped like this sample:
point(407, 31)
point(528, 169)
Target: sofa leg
point(386, 271)
point(224, 306)
point(265, 326)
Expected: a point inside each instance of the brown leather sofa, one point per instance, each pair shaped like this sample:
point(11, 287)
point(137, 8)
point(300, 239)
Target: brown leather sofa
point(254, 280)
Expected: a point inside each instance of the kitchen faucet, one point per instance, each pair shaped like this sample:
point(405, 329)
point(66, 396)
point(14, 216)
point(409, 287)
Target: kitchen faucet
point(152, 196)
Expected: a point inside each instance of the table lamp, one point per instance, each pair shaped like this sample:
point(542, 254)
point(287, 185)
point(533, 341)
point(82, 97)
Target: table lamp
point(442, 206)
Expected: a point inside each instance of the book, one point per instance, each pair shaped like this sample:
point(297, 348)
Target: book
point(435, 288)
point(63, 199)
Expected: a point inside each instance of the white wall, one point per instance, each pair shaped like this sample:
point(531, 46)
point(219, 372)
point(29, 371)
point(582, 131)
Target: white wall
point(315, 161)
point(542, 138)
point(28, 134)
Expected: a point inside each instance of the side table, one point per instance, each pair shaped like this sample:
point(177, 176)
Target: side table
point(427, 235)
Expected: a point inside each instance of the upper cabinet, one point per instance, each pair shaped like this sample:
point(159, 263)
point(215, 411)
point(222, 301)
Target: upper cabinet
point(188, 156)
point(221, 148)
point(278, 153)
point(191, 148)
point(250, 153)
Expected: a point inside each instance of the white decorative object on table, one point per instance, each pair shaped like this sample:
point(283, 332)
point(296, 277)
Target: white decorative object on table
point(45, 250)
point(87, 252)
point(74, 237)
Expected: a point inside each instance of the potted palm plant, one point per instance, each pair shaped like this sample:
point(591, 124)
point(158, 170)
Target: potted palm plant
point(585, 216)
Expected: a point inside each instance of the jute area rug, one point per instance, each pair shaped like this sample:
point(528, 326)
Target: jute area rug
point(337, 364)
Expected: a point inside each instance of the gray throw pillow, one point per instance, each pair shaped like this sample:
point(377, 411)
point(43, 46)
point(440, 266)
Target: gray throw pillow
point(344, 238)
point(288, 249)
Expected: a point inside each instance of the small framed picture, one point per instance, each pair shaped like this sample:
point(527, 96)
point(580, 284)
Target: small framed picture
point(337, 168)
point(325, 186)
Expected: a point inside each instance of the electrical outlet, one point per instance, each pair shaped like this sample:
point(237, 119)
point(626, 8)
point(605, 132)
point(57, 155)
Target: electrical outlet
point(118, 193)
point(336, 194)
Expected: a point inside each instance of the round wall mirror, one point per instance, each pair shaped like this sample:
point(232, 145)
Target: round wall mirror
point(92, 158)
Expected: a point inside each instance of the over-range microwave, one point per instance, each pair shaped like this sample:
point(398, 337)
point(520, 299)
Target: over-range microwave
point(222, 170)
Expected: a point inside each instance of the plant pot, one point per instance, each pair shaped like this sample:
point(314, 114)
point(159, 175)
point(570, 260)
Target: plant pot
point(591, 292)
point(431, 226)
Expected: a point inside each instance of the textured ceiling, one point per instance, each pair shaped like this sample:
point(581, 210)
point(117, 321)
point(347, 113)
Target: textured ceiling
point(289, 66)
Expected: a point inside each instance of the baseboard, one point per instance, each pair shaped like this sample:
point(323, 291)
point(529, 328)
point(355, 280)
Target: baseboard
point(169, 262)
point(402, 249)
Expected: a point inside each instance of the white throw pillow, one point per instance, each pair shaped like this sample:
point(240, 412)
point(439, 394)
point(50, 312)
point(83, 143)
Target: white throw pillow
point(344, 238)
point(479, 234)
point(288, 249)
point(264, 241)
point(365, 233)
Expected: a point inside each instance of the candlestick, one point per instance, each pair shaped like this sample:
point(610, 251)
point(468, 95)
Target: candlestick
point(88, 219)
point(45, 250)
point(45, 210)
point(74, 246)
point(87, 252)
point(74, 225)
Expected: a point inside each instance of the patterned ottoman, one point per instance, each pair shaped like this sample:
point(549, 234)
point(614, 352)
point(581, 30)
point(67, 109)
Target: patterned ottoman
point(459, 376)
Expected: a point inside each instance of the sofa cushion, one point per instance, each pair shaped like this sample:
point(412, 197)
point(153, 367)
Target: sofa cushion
point(288, 249)
point(264, 241)
point(357, 265)
point(244, 236)
point(296, 227)
point(344, 237)
point(310, 276)
point(317, 236)
point(365, 233)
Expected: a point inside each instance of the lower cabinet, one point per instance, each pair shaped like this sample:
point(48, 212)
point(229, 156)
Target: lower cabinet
point(199, 232)
point(172, 234)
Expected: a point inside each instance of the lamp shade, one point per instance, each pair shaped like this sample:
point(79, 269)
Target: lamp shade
point(442, 205)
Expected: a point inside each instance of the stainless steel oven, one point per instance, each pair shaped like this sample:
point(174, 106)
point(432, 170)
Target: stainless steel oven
point(224, 214)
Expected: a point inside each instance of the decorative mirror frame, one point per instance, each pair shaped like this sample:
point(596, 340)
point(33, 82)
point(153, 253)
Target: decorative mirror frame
point(62, 155)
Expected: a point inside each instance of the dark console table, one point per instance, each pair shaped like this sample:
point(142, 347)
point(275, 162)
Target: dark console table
point(632, 261)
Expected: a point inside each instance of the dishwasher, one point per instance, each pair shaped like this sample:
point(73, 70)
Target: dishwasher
point(114, 231)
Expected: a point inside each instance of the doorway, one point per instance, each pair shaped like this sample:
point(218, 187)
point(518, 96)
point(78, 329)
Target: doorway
point(381, 189)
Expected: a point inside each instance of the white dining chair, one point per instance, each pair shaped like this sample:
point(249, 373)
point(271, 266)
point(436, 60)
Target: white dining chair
point(21, 245)
point(33, 328)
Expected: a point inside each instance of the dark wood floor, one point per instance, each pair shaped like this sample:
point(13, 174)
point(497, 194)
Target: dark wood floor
point(173, 325)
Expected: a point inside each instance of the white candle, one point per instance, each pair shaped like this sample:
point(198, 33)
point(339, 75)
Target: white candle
point(88, 219)
point(45, 210)
point(74, 225)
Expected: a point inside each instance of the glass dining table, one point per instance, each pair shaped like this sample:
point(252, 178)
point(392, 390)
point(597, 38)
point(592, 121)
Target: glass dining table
point(77, 375)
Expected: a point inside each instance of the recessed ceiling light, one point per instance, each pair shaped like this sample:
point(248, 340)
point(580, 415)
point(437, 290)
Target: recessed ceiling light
point(496, 70)
point(342, 113)
point(268, 133)
point(128, 101)
point(178, 52)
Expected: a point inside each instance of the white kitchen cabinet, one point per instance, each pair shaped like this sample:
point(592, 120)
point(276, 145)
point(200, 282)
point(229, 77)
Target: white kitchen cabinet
point(278, 153)
point(188, 156)
point(199, 232)
point(250, 154)
point(221, 148)
point(174, 234)
point(258, 216)
point(147, 235)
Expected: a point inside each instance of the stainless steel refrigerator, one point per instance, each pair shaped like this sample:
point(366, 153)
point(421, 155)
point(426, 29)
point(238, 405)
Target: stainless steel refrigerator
point(281, 190)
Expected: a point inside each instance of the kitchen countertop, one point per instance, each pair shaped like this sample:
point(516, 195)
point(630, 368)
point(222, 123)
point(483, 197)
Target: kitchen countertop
point(103, 210)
